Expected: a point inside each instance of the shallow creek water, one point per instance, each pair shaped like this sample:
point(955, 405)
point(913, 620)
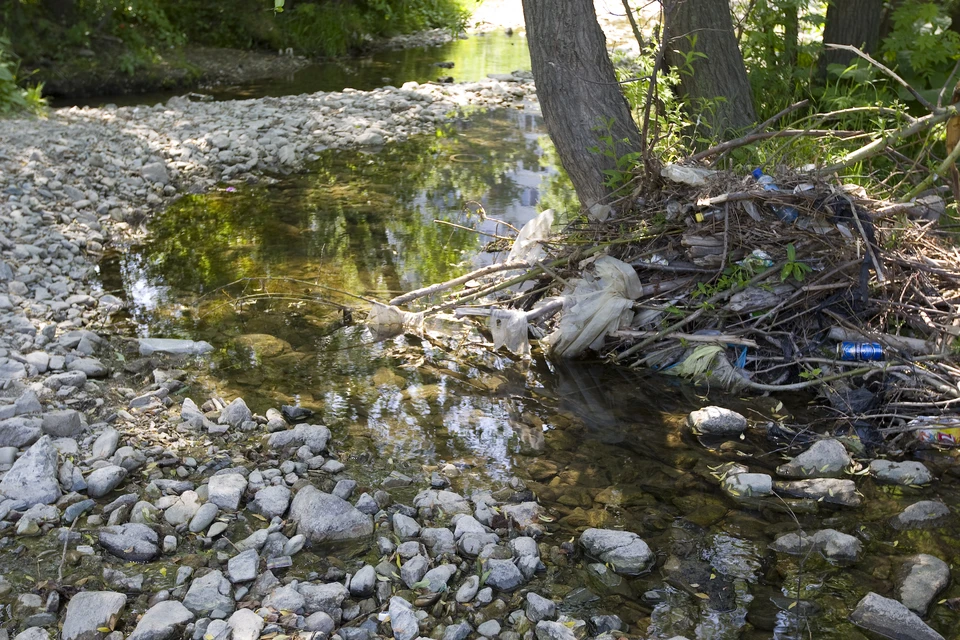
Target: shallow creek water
point(597, 445)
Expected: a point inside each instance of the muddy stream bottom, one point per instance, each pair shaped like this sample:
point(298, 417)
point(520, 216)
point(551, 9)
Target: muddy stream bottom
point(262, 273)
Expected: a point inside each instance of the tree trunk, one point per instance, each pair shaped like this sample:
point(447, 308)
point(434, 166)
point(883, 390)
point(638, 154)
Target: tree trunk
point(714, 84)
point(578, 92)
point(853, 22)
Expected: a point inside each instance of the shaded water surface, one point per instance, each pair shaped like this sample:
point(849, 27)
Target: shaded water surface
point(263, 271)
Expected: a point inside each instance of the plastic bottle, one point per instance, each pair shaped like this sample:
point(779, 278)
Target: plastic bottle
point(786, 213)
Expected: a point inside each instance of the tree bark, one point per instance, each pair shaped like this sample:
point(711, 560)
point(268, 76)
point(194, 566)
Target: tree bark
point(715, 84)
point(578, 92)
point(853, 22)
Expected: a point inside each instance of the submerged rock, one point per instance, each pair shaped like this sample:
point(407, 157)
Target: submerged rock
point(902, 473)
point(825, 459)
point(623, 550)
point(926, 514)
point(833, 544)
point(891, 618)
point(921, 578)
point(171, 346)
point(831, 490)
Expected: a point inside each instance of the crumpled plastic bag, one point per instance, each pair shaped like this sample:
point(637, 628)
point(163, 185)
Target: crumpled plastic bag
point(595, 308)
point(693, 176)
point(387, 321)
point(509, 329)
point(527, 245)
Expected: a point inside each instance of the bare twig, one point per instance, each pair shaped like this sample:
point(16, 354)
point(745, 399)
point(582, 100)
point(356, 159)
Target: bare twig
point(443, 286)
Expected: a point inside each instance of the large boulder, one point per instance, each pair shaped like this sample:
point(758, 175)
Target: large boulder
point(90, 613)
point(891, 619)
point(623, 550)
point(323, 517)
point(33, 477)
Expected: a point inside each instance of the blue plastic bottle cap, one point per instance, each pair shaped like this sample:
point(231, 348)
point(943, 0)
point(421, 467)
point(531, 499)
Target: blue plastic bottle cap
point(757, 173)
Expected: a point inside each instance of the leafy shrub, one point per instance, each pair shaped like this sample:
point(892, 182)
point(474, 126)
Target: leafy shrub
point(13, 97)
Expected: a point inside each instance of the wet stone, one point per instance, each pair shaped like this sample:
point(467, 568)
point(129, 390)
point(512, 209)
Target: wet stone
point(468, 590)
point(901, 473)
point(540, 608)
point(547, 630)
point(503, 575)
point(413, 570)
point(363, 582)
point(891, 619)
point(324, 517)
point(830, 490)
point(921, 578)
point(405, 526)
point(458, 631)
point(747, 485)
point(403, 620)
point(438, 577)
point(926, 514)
point(824, 459)
point(717, 421)
point(833, 544)
point(623, 550)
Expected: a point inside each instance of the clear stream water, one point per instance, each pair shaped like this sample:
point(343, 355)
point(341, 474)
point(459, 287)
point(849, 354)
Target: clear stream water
point(598, 445)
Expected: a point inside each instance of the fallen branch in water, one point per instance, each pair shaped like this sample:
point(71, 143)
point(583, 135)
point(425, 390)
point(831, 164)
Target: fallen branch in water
point(449, 284)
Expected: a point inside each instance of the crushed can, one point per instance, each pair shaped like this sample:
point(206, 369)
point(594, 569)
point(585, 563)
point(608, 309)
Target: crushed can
point(860, 351)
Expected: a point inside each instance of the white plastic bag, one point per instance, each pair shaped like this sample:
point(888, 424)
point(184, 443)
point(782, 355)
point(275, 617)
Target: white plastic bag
point(526, 246)
point(386, 321)
point(509, 329)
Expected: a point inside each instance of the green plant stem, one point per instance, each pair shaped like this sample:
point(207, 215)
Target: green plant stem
point(949, 161)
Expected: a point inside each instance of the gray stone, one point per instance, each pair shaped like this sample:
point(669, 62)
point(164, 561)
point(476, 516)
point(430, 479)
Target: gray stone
point(438, 540)
point(315, 437)
point(66, 379)
point(67, 423)
point(322, 517)
point(413, 570)
point(438, 577)
point(489, 629)
point(830, 490)
point(30, 633)
point(458, 631)
point(106, 444)
point(208, 594)
point(468, 590)
point(747, 485)
point(926, 514)
point(271, 502)
point(155, 172)
point(344, 488)
point(403, 619)
point(606, 623)
point(503, 575)
point(19, 432)
point(33, 477)
point(405, 526)
point(90, 366)
point(149, 346)
point(225, 490)
point(89, 611)
point(540, 608)
point(184, 509)
point(131, 541)
point(623, 550)
point(902, 473)
point(27, 402)
point(920, 579)
point(891, 619)
point(162, 621)
point(324, 597)
point(12, 370)
point(243, 566)
point(285, 598)
point(825, 459)
point(204, 517)
point(320, 622)
point(832, 544)
point(547, 630)
point(363, 582)
point(447, 501)
point(370, 139)
point(246, 624)
point(235, 413)
point(102, 481)
point(717, 421)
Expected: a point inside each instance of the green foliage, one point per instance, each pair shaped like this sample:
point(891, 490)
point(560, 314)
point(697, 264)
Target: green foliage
point(13, 97)
point(922, 47)
point(793, 269)
point(625, 163)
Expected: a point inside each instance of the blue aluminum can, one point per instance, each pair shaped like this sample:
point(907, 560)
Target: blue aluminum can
point(868, 351)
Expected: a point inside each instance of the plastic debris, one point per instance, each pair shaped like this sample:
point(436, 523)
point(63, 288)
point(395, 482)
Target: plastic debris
point(595, 308)
point(509, 329)
point(386, 321)
point(175, 347)
point(527, 245)
point(941, 430)
point(693, 176)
